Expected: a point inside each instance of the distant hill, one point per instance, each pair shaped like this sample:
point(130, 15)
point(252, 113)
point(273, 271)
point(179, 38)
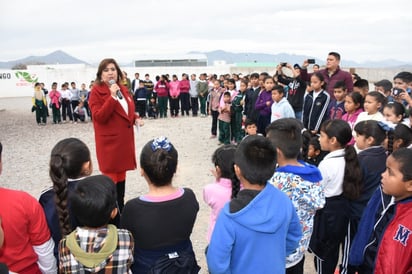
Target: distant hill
point(247, 57)
point(56, 57)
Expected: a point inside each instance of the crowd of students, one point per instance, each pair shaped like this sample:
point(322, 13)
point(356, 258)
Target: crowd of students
point(269, 206)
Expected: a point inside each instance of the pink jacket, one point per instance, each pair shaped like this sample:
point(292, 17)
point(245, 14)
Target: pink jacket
point(174, 88)
point(55, 98)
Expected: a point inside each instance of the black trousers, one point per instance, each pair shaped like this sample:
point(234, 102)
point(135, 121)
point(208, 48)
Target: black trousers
point(120, 188)
point(215, 114)
point(141, 107)
point(194, 102)
point(174, 106)
point(185, 103)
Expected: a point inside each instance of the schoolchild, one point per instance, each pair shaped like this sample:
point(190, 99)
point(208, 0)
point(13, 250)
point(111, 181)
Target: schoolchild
point(263, 105)
point(70, 162)
point(215, 95)
point(316, 104)
point(341, 181)
point(39, 105)
point(28, 246)
point(237, 113)
point(224, 119)
point(65, 100)
point(250, 127)
point(161, 221)
point(281, 107)
point(257, 230)
point(184, 95)
point(140, 97)
point(394, 113)
point(225, 187)
point(337, 106)
point(55, 95)
point(96, 246)
point(373, 104)
point(203, 91)
point(402, 137)
point(315, 153)
point(383, 243)
point(361, 86)
point(194, 95)
point(297, 179)
point(79, 112)
point(251, 96)
point(162, 91)
point(353, 107)
point(174, 93)
point(403, 82)
point(153, 110)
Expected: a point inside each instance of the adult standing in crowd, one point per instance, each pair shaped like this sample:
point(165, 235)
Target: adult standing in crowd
point(332, 73)
point(135, 83)
point(113, 120)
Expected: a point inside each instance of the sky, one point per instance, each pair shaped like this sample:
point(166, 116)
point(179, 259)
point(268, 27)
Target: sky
point(90, 30)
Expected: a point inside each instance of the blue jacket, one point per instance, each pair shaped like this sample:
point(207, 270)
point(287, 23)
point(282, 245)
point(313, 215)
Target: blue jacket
point(257, 238)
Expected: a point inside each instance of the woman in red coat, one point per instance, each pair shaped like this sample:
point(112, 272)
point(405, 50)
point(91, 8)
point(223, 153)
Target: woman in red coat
point(113, 120)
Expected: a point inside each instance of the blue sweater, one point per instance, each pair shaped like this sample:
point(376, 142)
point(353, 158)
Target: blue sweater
point(257, 238)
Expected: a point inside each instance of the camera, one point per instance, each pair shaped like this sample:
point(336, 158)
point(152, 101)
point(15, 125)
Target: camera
point(283, 64)
point(311, 61)
point(397, 91)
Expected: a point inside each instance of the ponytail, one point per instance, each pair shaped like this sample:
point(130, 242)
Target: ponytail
point(352, 180)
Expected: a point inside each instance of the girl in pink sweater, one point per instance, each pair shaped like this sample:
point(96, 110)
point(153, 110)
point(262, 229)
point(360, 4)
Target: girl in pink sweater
point(226, 186)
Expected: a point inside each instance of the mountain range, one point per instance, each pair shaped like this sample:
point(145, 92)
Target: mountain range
point(61, 57)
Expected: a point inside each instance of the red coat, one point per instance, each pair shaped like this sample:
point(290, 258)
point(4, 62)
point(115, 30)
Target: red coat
point(113, 130)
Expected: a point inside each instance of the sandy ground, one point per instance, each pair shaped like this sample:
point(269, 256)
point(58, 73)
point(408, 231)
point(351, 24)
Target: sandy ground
point(27, 147)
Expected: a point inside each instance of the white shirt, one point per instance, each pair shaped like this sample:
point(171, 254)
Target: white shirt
point(332, 168)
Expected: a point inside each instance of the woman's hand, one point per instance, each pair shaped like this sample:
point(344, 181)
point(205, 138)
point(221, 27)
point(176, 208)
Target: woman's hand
point(113, 89)
point(139, 122)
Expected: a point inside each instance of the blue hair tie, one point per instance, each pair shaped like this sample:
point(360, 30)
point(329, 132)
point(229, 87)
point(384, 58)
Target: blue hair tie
point(386, 126)
point(161, 143)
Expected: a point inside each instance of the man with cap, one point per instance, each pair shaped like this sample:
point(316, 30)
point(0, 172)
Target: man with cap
point(296, 87)
point(332, 73)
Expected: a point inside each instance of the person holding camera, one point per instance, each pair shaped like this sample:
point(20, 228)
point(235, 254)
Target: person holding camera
point(402, 88)
point(297, 86)
point(332, 73)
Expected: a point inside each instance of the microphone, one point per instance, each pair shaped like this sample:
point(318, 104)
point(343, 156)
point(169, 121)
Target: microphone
point(118, 93)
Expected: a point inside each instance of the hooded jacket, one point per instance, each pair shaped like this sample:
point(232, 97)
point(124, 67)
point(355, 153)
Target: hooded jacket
point(257, 238)
point(302, 185)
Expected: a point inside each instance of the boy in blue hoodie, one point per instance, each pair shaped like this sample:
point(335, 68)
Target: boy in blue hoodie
point(299, 180)
point(256, 230)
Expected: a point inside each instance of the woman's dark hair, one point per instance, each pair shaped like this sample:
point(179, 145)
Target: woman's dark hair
point(159, 161)
point(321, 78)
point(66, 161)
point(357, 98)
point(397, 108)
point(103, 64)
point(404, 158)
point(224, 158)
point(352, 179)
point(371, 128)
point(93, 201)
point(232, 81)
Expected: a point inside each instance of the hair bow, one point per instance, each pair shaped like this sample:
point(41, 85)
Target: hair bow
point(386, 126)
point(161, 143)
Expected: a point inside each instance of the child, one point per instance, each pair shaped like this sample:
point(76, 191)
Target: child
point(385, 87)
point(315, 153)
point(236, 111)
point(70, 162)
point(250, 127)
point(140, 96)
point(341, 182)
point(281, 107)
point(215, 95)
point(203, 90)
point(394, 113)
point(297, 179)
point(337, 106)
point(28, 246)
point(65, 100)
point(402, 137)
point(353, 107)
point(316, 104)
point(224, 119)
point(184, 94)
point(79, 112)
point(39, 105)
point(374, 101)
point(162, 220)
point(96, 246)
point(382, 244)
point(403, 81)
point(174, 93)
point(263, 105)
point(55, 95)
point(152, 112)
point(162, 91)
point(261, 214)
point(361, 86)
point(194, 95)
point(226, 186)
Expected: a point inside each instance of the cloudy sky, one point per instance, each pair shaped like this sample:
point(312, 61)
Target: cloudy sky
point(129, 29)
